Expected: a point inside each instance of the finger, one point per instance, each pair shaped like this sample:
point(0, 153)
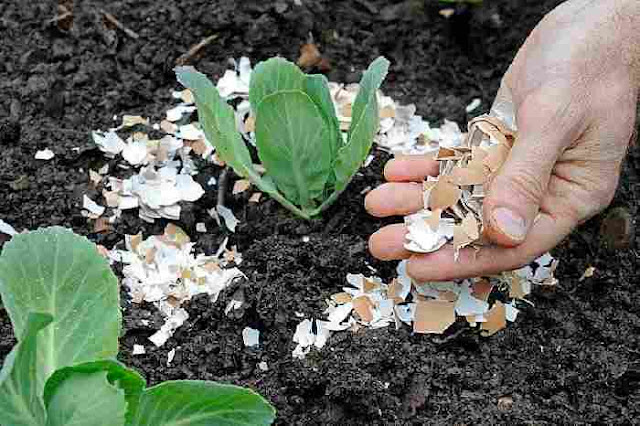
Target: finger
point(503, 106)
point(441, 266)
point(411, 168)
point(394, 198)
point(388, 243)
point(515, 193)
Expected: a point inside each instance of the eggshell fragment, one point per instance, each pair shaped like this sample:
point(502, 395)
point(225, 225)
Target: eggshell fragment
point(433, 316)
point(496, 320)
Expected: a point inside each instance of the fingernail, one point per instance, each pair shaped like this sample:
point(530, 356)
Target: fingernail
point(510, 223)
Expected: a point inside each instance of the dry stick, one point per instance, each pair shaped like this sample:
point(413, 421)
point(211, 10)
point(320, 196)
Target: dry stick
point(193, 50)
point(63, 13)
point(59, 18)
point(109, 17)
point(450, 337)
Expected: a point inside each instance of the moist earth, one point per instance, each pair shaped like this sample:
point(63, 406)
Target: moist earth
point(571, 357)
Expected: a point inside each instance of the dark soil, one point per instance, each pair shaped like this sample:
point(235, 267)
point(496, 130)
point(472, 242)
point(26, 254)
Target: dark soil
point(573, 358)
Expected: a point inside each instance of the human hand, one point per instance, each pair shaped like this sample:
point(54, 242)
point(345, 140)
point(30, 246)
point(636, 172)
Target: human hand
point(574, 88)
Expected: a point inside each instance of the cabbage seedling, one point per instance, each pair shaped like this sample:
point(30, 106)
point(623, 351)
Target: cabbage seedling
point(62, 298)
point(308, 162)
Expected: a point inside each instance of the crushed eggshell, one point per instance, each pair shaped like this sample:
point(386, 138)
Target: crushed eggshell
point(430, 307)
point(588, 273)
point(433, 316)
point(496, 319)
point(135, 152)
point(306, 338)
point(456, 195)
point(175, 114)
point(133, 120)
point(447, 12)
point(168, 127)
point(102, 225)
point(364, 308)
point(511, 312)
point(185, 95)
point(190, 132)
point(465, 233)
point(170, 355)
point(255, 197)
point(163, 270)
point(473, 105)
point(138, 350)
point(250, 124)
point(236, 82)
point(95, 210)
point(109, 143)
point(165, 178)
point(240, 186)
point(236, 302)
point(309, 55)
point(443, 195)
point(227, 215)
point(342, 297)
point(251, 337)
point(95, 178)
point(421, 237)
point(5, 228)
point(177, 317)
point(44, 154)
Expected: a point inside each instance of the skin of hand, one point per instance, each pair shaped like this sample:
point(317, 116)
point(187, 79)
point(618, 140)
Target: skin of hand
point(574, 88)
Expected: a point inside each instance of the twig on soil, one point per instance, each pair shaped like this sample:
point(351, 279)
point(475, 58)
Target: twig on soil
point(112, 19)
point(449, 338)
point(372, 9)
point(195, 49)
point(222, 186)
point(63, 19)
point(59, 18)
point(61, 130)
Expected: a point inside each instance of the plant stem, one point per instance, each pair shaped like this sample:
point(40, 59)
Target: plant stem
point(327, 202)
point(290, 206)
point(273, 193)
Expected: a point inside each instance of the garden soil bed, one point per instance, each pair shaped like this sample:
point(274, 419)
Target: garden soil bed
point(572, 358)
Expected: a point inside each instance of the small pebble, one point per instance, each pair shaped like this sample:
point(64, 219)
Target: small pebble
point(617, 229)
point(505, 403)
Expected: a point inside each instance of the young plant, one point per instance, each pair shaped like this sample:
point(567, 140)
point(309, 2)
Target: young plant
point(62, 299)
point(308, 162)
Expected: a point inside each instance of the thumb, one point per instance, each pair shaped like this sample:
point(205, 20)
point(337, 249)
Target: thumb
point(516, 193)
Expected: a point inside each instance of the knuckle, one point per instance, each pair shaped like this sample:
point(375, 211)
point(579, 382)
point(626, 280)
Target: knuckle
point(414, 269)
point(599, 196)
point(527, 184)
point(579, 211)
point(586, 204)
